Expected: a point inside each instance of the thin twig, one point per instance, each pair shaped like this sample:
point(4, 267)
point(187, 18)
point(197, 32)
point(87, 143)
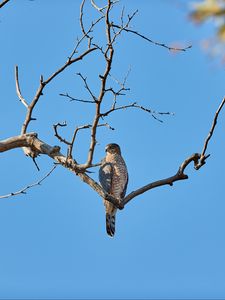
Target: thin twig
point(43, 83)
point(121, 84)
point(23, 190)
point(153, 42)
point(81, 18)
point(123, 27)
point(100, 9)
point(85, 32)
point(18, 88)
point(135, 105)
point(121, 91)
point(87, 86)
point(212, 127)
point(76, 99)
point(209, 136)
point(70, 148)
point(55, 126)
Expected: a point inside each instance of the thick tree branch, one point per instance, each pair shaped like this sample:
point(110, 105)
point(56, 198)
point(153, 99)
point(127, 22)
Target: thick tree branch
point(16, 142)
point(31, 140)
point(3, 3)
point(36, 146)
point(95, 186)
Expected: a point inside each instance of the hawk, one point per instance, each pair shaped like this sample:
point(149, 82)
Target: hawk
point(113, 177)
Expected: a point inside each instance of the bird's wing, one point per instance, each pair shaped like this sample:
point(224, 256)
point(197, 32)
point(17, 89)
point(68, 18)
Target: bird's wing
point(105, 176)
point(125, 188)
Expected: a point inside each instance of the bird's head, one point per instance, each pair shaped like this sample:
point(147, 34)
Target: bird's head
point(113, 149)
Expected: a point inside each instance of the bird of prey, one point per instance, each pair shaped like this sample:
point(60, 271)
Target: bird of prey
point(113, 177)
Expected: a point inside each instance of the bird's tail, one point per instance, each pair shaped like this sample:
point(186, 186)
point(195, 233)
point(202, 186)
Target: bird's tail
point(110, 224)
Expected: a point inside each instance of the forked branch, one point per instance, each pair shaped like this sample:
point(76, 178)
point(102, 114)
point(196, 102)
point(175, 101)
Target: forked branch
point(31, 140)
point(37, 147)
point(197, 158)
point(42, 85)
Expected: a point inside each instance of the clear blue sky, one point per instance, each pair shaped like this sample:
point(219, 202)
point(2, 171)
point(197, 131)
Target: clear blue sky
point(170, 242)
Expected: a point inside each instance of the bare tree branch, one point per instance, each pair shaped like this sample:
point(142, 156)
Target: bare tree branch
point(85, 32)
point(3, 3)
point(23, 190)
point(167, 181)
point(31, 140)
point(197, 158)
point(44, 83)
point(76, 99)
point(153, 42)
point(210, 134)
point(100, 9)
point(108, 59)
point(87, 87)
point(71, 144)
point(135, 105)
point(37, 147)
point(55, 126)
point(18, 88)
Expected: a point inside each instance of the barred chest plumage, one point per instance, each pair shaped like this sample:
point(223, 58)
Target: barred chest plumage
point(119, 178)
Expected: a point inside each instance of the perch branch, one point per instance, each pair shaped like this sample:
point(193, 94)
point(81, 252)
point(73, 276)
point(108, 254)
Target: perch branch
point(197, 158)
point(31, 140)
point(167, 181)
